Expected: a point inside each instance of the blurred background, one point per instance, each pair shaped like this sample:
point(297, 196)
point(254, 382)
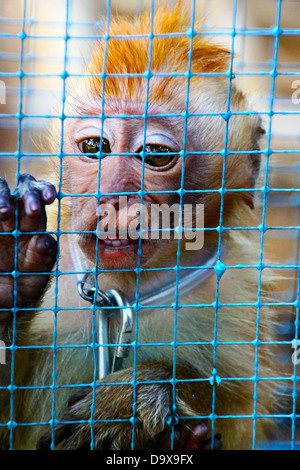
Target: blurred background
point(41, 57)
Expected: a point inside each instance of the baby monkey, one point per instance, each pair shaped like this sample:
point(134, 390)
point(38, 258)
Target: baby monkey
point(165, 137)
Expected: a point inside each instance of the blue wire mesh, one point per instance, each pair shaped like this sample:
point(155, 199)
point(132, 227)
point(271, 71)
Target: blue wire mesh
point(273, 71)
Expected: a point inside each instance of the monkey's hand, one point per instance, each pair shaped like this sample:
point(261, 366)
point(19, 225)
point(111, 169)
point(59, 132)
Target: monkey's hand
point(22, 253)
point(153, 412)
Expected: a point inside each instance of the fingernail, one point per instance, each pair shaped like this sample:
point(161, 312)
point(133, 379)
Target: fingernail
point(199, 429)
point(5, 210)
point(34, 206)
point(48, 194)
point(50, 243)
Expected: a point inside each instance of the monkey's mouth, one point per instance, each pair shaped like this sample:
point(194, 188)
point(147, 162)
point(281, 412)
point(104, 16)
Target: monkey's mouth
point(119, 244)
point(115, 252)
point(122, 253)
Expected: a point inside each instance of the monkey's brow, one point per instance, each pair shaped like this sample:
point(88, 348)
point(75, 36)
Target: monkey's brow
point(124, 110)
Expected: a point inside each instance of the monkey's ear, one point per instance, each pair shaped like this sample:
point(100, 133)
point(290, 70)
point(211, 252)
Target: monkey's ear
point(255, 158)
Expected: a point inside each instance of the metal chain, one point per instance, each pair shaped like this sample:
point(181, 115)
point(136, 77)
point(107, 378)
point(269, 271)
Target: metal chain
point(93, 293)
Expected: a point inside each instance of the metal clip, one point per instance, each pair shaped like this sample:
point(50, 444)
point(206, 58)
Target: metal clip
point(102, 365)
point(125, 334)
point(88, 291)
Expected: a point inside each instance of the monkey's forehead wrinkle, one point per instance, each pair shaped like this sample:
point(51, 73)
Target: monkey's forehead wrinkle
point(120, 108)
point(202, 99)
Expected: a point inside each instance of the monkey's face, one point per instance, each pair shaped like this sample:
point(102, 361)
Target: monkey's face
point(132, 168)
point(126, 172)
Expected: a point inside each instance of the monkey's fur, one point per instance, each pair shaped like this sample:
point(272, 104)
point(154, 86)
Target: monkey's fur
point(153, 401)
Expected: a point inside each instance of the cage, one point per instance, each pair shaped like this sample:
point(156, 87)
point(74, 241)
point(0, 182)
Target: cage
point(45, 49)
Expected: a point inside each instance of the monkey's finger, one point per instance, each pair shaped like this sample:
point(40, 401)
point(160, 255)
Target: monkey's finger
point(61, 432)
point(65, 431)
point(48, 192)
point(46, 245)
point(217, 443)
point(32, 214)
point(78, 440)
point(197, 437)
point(35, 194)
point(27, 189)
point(40, 254)
point(168, 443)
point(6, 209)
point(76, 397)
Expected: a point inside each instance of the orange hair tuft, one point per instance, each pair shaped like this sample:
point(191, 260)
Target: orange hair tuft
point(170, 52)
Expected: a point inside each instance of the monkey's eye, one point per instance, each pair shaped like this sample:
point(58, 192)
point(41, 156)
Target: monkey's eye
point(158, 155)
point(92, 145)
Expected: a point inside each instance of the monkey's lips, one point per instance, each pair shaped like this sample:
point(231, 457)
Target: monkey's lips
point(121, 254)
point(115, 253)
point(119, 244)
